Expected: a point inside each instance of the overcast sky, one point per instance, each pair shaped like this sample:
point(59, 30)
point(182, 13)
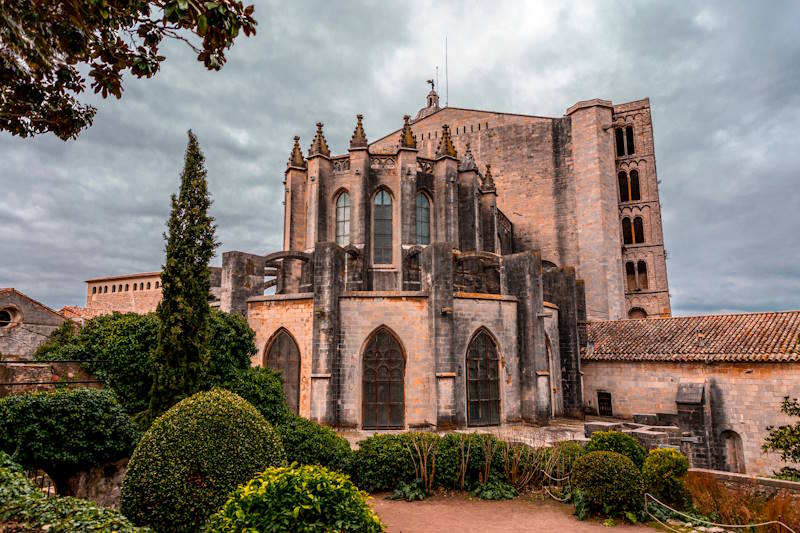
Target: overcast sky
point(723, 81)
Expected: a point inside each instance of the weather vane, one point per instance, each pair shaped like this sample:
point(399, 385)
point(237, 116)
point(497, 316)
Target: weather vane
point(432, 85)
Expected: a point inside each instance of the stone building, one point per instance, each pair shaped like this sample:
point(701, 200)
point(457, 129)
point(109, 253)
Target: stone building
point(24, 325)
point(720, 378)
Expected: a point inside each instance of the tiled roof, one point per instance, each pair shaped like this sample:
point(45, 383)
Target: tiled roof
point(73, 311)
point(770, 337)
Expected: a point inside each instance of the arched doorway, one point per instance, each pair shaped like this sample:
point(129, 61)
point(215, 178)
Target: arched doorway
point(483, 384)
point(283, 356)
point(734, 454)
point(383, 382)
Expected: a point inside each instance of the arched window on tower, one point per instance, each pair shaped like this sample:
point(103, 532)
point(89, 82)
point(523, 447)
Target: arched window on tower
point(627, 233)
point(629, 139)
point(382, 228)
point(641, 269)
point(634, 186)
point(619, 136)
point(630, 275)
point(423, 219)
point(624, 195)
point(638, 230)
point(343, 219)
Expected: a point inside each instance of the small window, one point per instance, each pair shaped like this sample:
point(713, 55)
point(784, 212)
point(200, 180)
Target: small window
point(105, 289)
point(629, 138)
point(642, 274)
point(634, 185)
point(135, 286)
point(620, 139)
point(126, 287)
point(5, 318)
point(637, 313)
point(604, 404)
point(343, 219)
point(382, 229)
point(423, 219)
point(148, 285)
point(638, 230)
point(120, 288)
point(630, 275)
point(157, 284)
point(623, 187)
point(94, 290)
point(113, 288)
point(627, 233)
point(479, 126)
point(141, 286)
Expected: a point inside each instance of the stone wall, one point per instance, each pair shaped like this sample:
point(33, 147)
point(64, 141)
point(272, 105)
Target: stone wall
point(31, 325)
point(745, 398)
point(18, 377)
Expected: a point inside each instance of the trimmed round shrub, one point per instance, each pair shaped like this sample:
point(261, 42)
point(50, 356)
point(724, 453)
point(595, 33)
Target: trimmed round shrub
point(308, 443)
point(615, 441)
point(664, 475)
point(66, 430)
point(262, 387)
point(301, 499)
point(192, 457)
point(610, 483)
point(382, 462)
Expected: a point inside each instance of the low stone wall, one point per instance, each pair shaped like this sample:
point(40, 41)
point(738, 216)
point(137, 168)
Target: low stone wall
point(101, 484)
point(19, 378)
point(756, 486)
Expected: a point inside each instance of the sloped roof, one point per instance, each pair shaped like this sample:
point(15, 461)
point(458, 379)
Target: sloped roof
point(753, 337)
point(74, 311)
point(11, 290)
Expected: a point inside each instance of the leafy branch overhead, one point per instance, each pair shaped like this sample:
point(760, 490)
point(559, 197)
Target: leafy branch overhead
point(44, 45)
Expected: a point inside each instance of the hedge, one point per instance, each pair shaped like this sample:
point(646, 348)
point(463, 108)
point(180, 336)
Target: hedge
point(308, 443)
point(664, 475)
point(610, 483)
point(193, 457)
point(382, 462)
point(615, 441)
point(301, 499)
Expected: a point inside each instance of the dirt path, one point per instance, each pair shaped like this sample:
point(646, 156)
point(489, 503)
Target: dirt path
point(460, 514)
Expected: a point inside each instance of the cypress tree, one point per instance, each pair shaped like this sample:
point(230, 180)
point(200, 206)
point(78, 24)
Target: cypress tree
point(184, 312)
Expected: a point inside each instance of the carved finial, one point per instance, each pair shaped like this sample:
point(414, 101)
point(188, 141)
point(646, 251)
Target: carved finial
point(296, 158)
point(318, 145)
point(359, 138)
point(488, 181)
point(446, 147)
point(407, 139)
point(467, 162)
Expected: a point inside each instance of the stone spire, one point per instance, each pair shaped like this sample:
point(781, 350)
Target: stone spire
point(488, 181)
point(296, 158)
point(446, 147)
point(407, 139)
point(318, 145)
point(467, 162)
point(359, 138)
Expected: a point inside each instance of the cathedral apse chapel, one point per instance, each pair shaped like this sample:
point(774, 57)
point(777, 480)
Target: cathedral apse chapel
point(442, 275)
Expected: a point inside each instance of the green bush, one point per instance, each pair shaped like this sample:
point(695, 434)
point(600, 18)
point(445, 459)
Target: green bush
point(8, 463)
point(301, 499)
point(23, 507)
point(192, 458)
point(664, 475)
point(610, 482)
point(65, 430)
point(382, 462)
point(308, 443)
point(495, 490)
point(615, 441)
point(262, 387)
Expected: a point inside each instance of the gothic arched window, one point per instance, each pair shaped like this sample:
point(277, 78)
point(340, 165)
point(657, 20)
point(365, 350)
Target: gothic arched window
point(283, 356)
point(343, 219)
point(634, 186)
point(630, 275)
point(619, 136)
point(629, 139)
point(383, 383)
point(638, 230)
point(382, 228)
point(483, 383)
point(627, 232)
point(624, 193)
point(641, 271)
point(423, 219)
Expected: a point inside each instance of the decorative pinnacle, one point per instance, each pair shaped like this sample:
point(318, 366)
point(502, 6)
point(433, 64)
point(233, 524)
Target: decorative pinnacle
point(407, 139)
point(488, 181)
point(296, 158)
point(359, 138)
point(318, 145)
point(468, 162)
point(446, 147)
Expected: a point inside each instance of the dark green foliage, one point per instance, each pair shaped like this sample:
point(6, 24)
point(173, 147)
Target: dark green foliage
point(410, 492)
point(183, 311)
point(261, 387)
point(14, 485)
point(64, 431)
point(46, 49)
point(448, 460)
point(300, 499)
point(582, 505)
point(382, 462)
point(117, 349)
point(231, 345)
point(664, 475)
point(615, 441)
point(495, 490)
point(785, 440)
point(610, 482)
point(308, 443)
point(62, 335)
point(8, 463)
point(193, 456)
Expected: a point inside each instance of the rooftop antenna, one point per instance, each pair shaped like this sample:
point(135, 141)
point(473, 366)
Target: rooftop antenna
point(437, 77)
point(446, 80)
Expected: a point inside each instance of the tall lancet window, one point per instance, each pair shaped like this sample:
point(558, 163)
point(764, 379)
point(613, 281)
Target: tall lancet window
point(343, 219)
point(382, 229)
point(423, 219)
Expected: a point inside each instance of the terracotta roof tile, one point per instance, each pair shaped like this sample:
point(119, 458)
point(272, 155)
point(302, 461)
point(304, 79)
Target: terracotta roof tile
point(769, 337)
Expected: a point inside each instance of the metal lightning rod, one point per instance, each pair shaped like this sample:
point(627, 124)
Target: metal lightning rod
point(446, 79)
